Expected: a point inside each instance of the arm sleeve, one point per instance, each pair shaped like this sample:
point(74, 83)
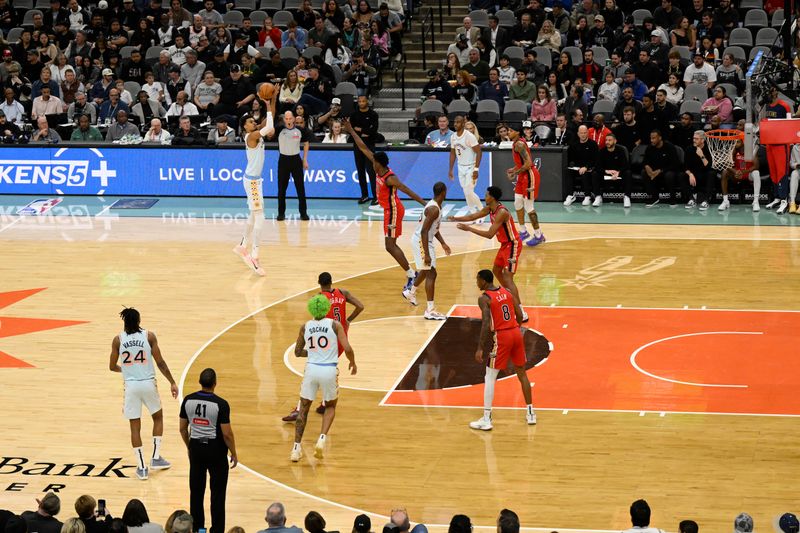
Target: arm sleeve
point(182, 413)
point(270, 125)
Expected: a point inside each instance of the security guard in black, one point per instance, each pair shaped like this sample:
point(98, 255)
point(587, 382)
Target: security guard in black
point(205, 425)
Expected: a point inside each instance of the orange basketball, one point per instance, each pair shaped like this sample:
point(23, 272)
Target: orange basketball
point(266, 91)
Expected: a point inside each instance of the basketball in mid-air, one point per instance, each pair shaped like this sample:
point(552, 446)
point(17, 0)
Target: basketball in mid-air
point(266, 91)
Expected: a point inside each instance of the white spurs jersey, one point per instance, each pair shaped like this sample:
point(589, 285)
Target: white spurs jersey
point(136, 357)
point(434, 229)
point(462, 146)
point(255, 159)
point(321, 342)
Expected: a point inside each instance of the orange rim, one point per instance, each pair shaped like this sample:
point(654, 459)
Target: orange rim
point(725, 135)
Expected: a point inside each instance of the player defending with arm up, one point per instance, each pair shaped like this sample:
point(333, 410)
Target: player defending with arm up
point(317, 341)
point(425, 251)
point(253, 186)
point(507, 258)
point(500, 340)
point(388, 184)
point(526, 188)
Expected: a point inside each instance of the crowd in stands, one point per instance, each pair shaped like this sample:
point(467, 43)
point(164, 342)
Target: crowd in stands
point(135, 519)
point(129, 71)
point(565, 72)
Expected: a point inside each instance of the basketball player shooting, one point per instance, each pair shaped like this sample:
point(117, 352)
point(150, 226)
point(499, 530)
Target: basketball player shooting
point(138, 348)
point(253, 186)
point(507, 258)
point(465, 147)
point(339, 298)
point(388, 184)
point(425, 251)
point(317, 341)
point(526, 188)
point(500, 317)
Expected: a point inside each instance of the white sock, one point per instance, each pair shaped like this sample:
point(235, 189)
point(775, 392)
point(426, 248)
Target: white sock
point(724, 197)
point(537, 232)
point(248, 229)
point(321, 438)
point(756, 184)
point(137, 452)
point(156, 447)
point(430, 305)
point(525, 228)
point(488, 391)
point(529, 407)
point(296, 446)
point(410, 272)
point(299, 403)
point(413, 289)
point(257, 226)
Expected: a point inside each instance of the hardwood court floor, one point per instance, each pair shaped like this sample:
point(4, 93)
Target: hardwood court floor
point(579, 469)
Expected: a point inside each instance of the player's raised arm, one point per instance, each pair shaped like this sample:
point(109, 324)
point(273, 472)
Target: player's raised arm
point(162, 365)
point(355, 302)
point(113, 363)
point(499, 220)
point(348, 128)
point(486, 330)
point(300, 344)
point(341, 336)
point(394, 181)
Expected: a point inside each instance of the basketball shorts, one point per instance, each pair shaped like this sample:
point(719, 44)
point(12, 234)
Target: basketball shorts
point(508, 255)
point(523, 185)
point(138, 393)
point(465, 177)
point(393, 220)
point(254, 189)
point(419, 253)
point(508, 345)
point(316, 377)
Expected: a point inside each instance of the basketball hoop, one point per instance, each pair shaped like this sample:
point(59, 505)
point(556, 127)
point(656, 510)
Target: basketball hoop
point(722, 144)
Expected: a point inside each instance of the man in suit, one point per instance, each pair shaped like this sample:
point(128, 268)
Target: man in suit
point(470, 31)
point(497, 35)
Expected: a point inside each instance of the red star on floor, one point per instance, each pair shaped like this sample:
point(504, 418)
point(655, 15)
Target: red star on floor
point(11, 326)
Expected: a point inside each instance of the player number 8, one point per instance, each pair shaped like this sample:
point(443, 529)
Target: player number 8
point(506, 312)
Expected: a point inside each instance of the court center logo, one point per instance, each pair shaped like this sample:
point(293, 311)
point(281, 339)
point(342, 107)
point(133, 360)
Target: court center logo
point(601, 274)
point(88, 173)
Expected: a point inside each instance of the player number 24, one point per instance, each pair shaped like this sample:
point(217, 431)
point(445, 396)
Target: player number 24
point(138, 358)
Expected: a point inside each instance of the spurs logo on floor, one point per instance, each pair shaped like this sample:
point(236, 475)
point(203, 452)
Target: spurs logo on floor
point(599, 275)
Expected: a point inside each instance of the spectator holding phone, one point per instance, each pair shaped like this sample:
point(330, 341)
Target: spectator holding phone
point(94, 521)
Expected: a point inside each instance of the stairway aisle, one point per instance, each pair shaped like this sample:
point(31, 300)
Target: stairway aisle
point(388, 102)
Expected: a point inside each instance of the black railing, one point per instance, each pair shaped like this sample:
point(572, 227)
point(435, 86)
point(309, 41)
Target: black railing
point(441, 14)
point(427, 29)
point(400, 77)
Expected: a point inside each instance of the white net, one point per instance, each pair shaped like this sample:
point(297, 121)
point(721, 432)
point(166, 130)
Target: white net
point(722, 144)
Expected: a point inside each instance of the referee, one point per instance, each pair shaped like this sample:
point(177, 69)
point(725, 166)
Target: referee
point(206, 430)
point(290, 164)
